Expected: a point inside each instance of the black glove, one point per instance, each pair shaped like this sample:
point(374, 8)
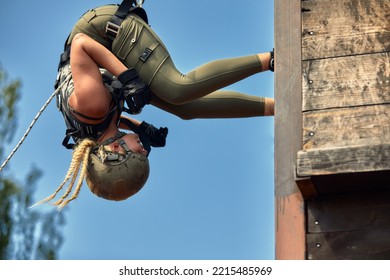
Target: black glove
point(157, 136)
point(134, 91)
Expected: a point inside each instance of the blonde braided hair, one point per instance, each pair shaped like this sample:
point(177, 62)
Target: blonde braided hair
point(77, 168)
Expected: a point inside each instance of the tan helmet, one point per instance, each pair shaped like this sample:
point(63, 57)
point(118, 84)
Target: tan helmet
point(118, 176)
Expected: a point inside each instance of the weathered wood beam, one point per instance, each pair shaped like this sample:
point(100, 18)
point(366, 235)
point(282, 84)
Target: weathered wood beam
point(290, 219)
point(344, 27)
point(343, 160)
point(346, 127)
point(346, 81)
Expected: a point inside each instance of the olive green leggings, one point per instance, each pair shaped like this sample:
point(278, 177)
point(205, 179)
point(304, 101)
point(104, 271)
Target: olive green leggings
point(196, 94)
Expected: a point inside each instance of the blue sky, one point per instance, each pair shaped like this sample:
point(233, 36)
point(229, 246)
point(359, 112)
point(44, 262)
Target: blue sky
point(210, 194)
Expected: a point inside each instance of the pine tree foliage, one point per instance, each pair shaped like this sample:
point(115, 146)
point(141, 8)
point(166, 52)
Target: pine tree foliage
point(24, 233)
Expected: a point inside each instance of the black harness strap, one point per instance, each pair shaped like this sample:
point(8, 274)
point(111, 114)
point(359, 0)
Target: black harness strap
point(79, 130)
point(115, 22)
point(124, 9)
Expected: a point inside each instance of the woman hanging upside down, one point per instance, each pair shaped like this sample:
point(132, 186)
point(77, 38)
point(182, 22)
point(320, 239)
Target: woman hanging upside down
point(133, 68)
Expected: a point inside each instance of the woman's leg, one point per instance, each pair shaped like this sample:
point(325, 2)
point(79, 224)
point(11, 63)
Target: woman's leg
point(176, 88)
point(135, 36)
point(220, 104)
point(159, 72)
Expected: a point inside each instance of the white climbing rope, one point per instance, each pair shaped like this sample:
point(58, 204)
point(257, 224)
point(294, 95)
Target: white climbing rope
point(32, 124)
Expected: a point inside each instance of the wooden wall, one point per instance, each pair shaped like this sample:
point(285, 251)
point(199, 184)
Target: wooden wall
point(349, 226)
point(332, 131)
point(345, 86)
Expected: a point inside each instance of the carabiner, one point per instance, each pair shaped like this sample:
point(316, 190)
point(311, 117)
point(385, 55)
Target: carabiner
point(139, 3)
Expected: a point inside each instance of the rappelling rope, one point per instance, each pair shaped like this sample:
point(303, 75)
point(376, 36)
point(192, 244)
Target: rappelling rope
point(32, 124)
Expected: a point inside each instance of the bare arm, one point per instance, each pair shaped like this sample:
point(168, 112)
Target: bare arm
point(134, 121)
point(90, 96)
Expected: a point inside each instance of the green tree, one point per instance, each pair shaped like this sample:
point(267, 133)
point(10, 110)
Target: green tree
point(24, 233)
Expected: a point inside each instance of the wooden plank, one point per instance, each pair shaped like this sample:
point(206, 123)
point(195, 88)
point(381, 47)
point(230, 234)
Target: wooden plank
point(290, 221)
point(288, 94)
point(344, 27)
point(349, 245)
point(343, 160)
point(346, 81)
point(351, 211)
point(345, 127)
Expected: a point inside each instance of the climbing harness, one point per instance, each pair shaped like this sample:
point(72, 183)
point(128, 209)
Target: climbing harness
point(114, 24)
point(32, 124)
point(126, 7)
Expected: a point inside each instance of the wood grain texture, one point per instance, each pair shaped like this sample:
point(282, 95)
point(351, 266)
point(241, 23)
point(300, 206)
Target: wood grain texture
point(343, 160)
point(333, 28)
point(290, 220)
point(343, 167)
point(346, 127)
point(346, 81)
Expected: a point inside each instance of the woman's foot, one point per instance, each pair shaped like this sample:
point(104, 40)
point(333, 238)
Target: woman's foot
point(271, 64)
point(267, 61)
point(269, 109)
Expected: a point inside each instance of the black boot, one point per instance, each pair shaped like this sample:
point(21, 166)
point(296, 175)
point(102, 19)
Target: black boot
point(271, 64)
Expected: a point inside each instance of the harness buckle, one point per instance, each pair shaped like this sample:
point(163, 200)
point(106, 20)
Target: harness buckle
point(112, 30)
point(139, 3)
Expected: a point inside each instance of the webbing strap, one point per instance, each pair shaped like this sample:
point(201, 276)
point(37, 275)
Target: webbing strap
point(124, 8)
point(116, 20)
point(112, 139)
point(78, 130)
